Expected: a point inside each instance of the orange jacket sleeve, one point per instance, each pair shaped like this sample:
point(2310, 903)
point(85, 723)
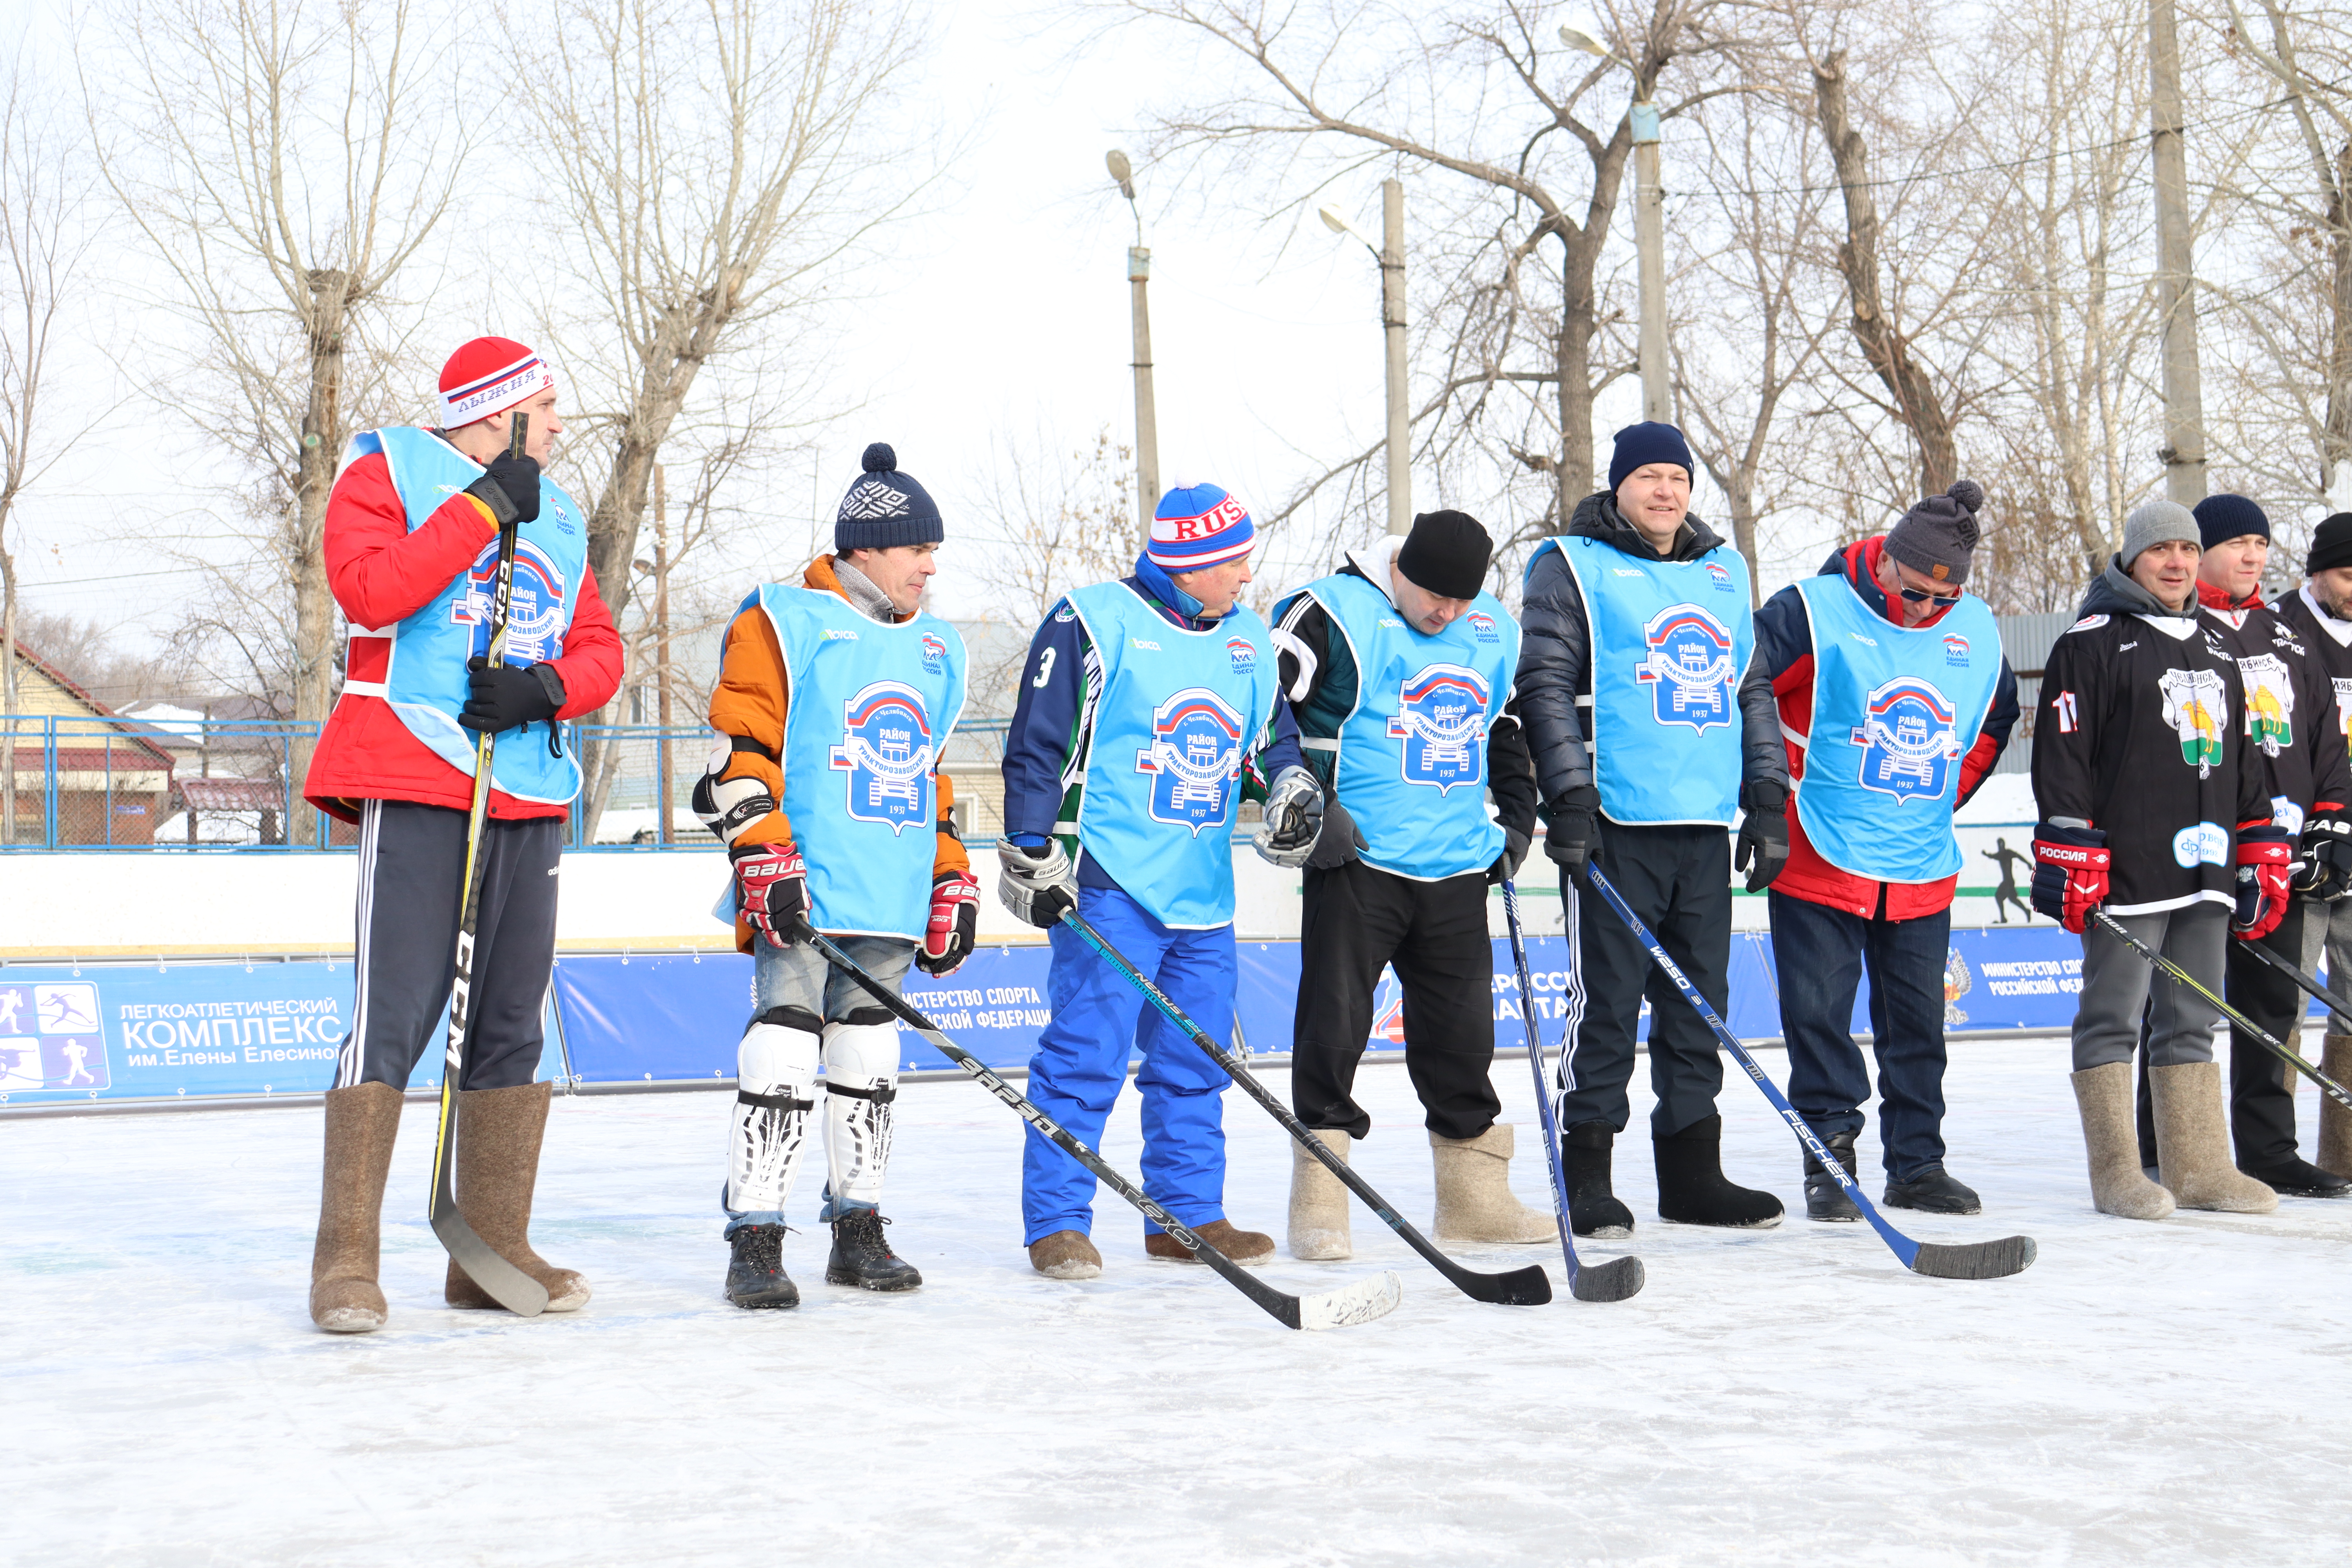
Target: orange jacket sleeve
point(749, 702)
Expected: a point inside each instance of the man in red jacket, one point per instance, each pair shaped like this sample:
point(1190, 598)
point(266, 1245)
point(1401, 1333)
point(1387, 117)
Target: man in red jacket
point(1895, 702)
point(412, 547)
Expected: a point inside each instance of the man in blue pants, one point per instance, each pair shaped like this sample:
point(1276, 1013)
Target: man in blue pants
point(1146, 707)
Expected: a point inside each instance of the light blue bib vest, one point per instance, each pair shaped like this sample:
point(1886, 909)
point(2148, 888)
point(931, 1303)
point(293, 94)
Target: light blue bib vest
point(872, 708)
point(1894, 710)
point(1179, 712)
point(1671, 640)
point(424, 680)
point(1412, 763)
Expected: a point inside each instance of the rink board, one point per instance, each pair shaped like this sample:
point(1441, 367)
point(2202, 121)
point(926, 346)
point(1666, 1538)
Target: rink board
point(191, 1030)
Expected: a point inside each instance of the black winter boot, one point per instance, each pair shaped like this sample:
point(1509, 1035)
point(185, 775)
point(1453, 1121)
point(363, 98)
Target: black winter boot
point(1932, 1191)
point(755, 1275)
point(1691, 1186)
point(1592, 1208)
point(862, 1254)
point(1825, 1199)
point(2296, 1177)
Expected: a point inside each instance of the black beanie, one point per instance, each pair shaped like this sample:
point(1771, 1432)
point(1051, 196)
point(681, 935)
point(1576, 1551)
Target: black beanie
point(1939, 535)
point(2331, 545)
point(1447, 555)
point(2222, 518)
point(885, 507)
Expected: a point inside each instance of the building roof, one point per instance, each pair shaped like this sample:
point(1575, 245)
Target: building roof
point(45, 692)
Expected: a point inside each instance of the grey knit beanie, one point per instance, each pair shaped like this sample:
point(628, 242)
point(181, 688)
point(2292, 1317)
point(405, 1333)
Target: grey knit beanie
point(2154, 522)
point(1939, 534)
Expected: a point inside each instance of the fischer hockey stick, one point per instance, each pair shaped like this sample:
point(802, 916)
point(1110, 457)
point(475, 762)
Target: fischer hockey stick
point(1969, 1260)
point(2180, 976)
point(1529, 1287)
point(513, 1289)
point(1620, 1276)
point(1362, 1303)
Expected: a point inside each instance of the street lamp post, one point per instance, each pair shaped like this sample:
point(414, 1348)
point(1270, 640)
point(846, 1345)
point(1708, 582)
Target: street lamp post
point(1391, 255)
point(1649, 232)
point(1138, 276)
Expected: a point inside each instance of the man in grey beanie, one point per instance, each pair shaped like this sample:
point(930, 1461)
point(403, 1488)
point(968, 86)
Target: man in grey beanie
point(1896, 702)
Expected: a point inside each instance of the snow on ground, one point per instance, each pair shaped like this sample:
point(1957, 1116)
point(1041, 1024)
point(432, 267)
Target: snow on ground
point(2146, 1394)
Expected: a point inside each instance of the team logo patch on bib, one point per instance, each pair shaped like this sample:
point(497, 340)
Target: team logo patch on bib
point(1688, 667)
point(1956, 650)
point(1243, 653)
point(1909, 740)
point(1721, 578)
point(1195, 757)
point(534, 609)
point(886, 749)
point(1441, 716)
point(2196, 707)
point(2270, 702)
point(1482, 625)
point(935, 652)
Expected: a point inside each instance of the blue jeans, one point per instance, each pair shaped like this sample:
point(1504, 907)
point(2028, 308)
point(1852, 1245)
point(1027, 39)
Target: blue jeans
point(1100, 1019)
point(1820, 954)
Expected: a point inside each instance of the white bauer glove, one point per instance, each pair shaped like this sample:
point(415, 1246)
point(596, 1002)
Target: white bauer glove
point(1037, 884)
point(1293, 818)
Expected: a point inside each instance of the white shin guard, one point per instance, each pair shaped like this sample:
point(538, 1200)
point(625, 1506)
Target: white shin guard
point(861, 1080)
point(775, 1073)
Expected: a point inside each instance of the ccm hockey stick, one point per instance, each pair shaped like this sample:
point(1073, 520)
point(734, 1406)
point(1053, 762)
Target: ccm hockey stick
point(1529, 1287)
point(2328, 1085)
point(513, 1289)
point(1973, 1260)
point(1362, 1303)
point(1620, 1276)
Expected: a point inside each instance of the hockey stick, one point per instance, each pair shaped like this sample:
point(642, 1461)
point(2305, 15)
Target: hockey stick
point(2337, 1005)
point(1971, 1260)
point(2328, 1085)
point(1375, 1297)
point(1529, 1287)
point(513, 1289)
point(1620, 1276)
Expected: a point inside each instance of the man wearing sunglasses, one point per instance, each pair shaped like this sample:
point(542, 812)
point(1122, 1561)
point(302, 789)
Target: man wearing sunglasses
point(1895, 702)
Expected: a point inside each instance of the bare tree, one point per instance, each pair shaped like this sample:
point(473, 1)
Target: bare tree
point(1061, 516)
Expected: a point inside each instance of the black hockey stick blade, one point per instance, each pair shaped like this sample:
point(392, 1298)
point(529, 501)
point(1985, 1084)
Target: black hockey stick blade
point(1618, 1279)
point(1527, 1286)
point(1975, 1260)
point(1365, 1301)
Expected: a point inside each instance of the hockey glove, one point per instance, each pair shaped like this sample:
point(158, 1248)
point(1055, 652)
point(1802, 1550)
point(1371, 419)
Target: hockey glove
point(1339, 842)
point(955, 923)
point(509, 488)
point(2324, 874)
point(1293, 817)
point(2070, 873)
point(2266, 862)
point(772, 888)
point(1037, 884)
point(1515, 852)
point(509, 694)
point(1763, 832)
point(1568, 825)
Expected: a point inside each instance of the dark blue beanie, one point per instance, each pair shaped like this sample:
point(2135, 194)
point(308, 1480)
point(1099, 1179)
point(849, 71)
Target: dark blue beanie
point(885, 507)
point(2225, 517)
point(1649, 442)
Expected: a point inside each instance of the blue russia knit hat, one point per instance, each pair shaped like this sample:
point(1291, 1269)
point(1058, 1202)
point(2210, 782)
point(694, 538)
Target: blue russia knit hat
point(885, 507)
point(1197, 526)
point(2226, 516)
point(1649, 442)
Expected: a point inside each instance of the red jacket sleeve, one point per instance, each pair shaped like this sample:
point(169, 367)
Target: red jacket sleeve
point(591, 665)
point(380, 573)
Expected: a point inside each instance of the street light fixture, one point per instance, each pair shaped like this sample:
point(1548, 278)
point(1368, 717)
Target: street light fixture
point(1138, 274)
point(1649, 227)
point(1391, 260)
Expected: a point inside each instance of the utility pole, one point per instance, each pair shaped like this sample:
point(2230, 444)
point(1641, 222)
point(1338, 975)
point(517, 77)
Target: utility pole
point(1650, 240)
point(1392, 326)
point(1147, 426)
point(2184, 412)
point(661, 643)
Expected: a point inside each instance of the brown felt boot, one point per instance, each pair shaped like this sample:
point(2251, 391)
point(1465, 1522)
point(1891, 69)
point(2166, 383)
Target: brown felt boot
point(1474, 1200)
point(1066, 1255)
point(1319, 1201)
point(498, 1134)
point(2110, 1140)
point(361, 1122)
point(2192, 1143)
point(1250, 1247)
point(2335, 1153)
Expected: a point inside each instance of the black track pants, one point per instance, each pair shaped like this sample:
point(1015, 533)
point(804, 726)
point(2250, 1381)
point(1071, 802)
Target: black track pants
point(2261, 1100)
point(412, 859)
point(1357, 919)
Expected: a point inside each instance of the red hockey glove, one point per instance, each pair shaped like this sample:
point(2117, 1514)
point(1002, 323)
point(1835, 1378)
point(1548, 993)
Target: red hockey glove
point(2266, 869)
point(772, 888)
point(2070, 873)
point(955, 917)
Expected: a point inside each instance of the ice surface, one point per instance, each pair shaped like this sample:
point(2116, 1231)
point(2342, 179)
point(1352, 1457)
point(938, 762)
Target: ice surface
point(2146, 1394)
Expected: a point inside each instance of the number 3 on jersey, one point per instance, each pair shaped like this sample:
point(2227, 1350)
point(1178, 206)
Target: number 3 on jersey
point(1045, 667)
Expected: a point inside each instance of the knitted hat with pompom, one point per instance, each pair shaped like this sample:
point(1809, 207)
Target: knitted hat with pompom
point(1939, 534)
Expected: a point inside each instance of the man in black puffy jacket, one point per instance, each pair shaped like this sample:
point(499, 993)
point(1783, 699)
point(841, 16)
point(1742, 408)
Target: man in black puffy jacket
point(1649, 732)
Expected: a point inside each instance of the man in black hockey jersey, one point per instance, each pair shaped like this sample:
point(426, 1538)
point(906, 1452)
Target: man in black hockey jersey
point(2291, 721)
point(2141, 773)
